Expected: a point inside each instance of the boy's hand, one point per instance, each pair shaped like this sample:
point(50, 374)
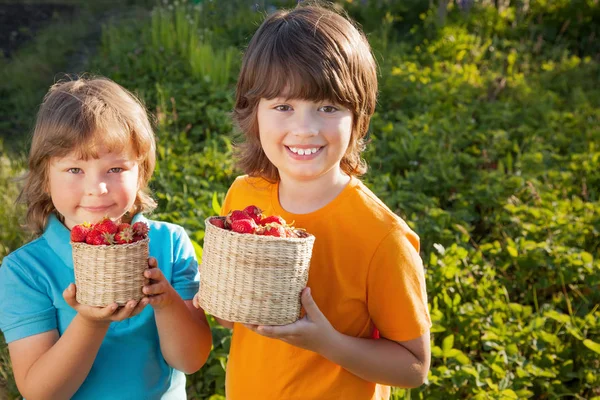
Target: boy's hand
point(311, 332)
point(160, 292)
point(103, 315)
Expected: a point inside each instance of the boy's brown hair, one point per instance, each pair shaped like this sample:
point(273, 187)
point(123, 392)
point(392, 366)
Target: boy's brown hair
point(78, 116)
point(313, 53)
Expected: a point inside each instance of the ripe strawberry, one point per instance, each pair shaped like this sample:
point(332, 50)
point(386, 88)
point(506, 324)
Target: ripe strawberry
point(140, 229)
point(273, 218)
point(244, 226)
point(79, 232)
point(236, 215)
point(95, 237)
point(254, 212)
point(109, 238)
point(219, 222)
point(122, 226)
point(125, 235)
point(274, 229)
point(106, 225)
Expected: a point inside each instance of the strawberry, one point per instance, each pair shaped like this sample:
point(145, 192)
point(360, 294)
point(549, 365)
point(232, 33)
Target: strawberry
point(125, 235)
point(122, 226)
point(95, 238)
point(236, 215)
point(79, 232)
point(254, 212)
point(244, 226)
point(273, 218)
point(106, 225)
point(109, 238)
point(219, 222)
point(274, 229)
point(140, 229)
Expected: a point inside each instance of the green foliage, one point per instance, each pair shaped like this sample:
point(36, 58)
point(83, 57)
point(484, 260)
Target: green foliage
point(485, 140)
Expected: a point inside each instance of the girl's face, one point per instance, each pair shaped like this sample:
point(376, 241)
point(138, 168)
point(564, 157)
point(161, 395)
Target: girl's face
point(87, 191)
point(304, 139)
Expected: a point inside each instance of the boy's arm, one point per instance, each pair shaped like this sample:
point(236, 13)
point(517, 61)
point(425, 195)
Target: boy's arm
point(184, 334)
point(48, 367)
point(400, 364)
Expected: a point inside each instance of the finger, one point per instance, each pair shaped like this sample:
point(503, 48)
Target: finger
point(251, 327)
point(155, 288)
point(69, 294)
point(125, 311)
point(196, 300)
point(107, 311)
point(140, 306)
point(312, 310)
point(152, 263)
point(154, 274)
point(156, 299)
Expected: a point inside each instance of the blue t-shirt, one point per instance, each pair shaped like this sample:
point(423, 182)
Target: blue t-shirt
point(129, 364)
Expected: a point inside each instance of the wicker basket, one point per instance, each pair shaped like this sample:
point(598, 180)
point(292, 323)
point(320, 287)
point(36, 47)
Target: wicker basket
point(253, 279)
point(110, 274)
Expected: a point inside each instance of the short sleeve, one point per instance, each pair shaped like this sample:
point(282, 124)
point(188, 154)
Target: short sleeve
point(26, 308)
point(185, 266)
point(396, 294)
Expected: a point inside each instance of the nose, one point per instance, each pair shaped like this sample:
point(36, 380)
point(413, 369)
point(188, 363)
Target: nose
point(305, 123)
point(96, 187)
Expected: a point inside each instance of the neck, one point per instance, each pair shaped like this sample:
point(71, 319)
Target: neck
point(305, 196)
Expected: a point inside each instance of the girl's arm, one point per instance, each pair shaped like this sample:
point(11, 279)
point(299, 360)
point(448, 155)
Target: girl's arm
point(400, 364)
point(48, 367)
point(185, 337)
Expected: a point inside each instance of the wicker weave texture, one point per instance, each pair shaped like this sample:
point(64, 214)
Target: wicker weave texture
point(253, 279)
point(110, 274)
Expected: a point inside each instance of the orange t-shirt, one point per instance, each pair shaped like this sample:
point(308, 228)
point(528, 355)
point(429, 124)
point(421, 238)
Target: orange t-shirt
point(365, 272)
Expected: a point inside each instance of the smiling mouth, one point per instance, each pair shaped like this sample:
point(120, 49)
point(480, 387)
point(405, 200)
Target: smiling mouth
point(304, 151)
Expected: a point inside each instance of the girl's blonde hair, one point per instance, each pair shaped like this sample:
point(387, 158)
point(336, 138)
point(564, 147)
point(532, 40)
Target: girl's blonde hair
point(78, 116)
point(312, 53)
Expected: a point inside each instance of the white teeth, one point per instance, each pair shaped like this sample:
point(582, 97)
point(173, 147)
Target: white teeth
point(302, 152)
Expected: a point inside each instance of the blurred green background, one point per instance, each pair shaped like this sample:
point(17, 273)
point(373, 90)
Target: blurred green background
point(486, 140)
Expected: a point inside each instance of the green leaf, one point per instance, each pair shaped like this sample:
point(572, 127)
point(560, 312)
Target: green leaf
point(447, 344)
point(198, 250)
point(592, 345)
point(215, 204)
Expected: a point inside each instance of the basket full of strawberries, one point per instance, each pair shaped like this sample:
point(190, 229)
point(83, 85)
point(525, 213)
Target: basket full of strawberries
point(254, 268)
point(109, 260)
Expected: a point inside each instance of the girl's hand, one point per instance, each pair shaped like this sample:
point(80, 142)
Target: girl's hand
point(103, 315)
point(311, 332)
point(160, 292)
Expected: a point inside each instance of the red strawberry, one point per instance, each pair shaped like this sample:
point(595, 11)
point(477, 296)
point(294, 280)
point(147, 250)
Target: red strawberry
point(95, 238)
point(106, 225)
point(79, 232)
point(244, 226)
point(273, 218)
point(109, 238)
point(219, 222)
point(140, 229)
point(122, 226)
point(274, 229)
point(254, 212)
point(125, 235)
point(236, 215)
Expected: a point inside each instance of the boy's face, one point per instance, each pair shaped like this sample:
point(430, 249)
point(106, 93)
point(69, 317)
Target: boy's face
point(88, 190)
point(304, 139)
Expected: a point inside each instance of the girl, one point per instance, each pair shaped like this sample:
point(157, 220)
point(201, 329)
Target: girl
point(92, 155)
point(305, 96)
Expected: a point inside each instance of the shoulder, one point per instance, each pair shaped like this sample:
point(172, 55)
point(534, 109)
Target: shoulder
point(23, 255)
point(373, 216)
point(163, 230)
point(250, 183)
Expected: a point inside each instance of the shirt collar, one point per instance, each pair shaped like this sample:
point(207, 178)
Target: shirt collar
point(58, 237)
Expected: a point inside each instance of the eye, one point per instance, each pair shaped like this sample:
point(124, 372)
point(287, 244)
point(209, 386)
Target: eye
point(328, 109)
point(282, 107)
point(115, 170)
point(74, 170)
